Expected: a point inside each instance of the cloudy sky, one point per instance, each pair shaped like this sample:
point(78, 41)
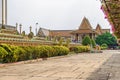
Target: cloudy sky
point(55, 14)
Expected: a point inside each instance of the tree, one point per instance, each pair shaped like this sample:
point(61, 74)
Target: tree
point(106, 38)
point(67, 42)
point(93, 42)
point(86, 40)
point(17, 33)
point(23, 33)
point(61, 41)
point(30, 35)
point(54, 39)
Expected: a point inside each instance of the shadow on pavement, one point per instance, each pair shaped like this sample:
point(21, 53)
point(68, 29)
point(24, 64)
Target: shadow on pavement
point(110, 70)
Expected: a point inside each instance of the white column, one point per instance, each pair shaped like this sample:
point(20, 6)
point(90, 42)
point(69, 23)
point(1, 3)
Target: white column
point(3, 12)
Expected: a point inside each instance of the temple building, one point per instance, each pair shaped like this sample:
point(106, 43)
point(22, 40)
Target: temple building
point(84, 29)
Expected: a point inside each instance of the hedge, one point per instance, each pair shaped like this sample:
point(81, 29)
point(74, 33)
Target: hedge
point(10, 53)
point(79, 49)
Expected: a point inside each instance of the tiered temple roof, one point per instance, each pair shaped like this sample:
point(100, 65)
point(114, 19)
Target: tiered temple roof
point(85, 27)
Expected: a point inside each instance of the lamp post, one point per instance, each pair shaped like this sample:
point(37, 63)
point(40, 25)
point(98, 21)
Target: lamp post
point(36, 28)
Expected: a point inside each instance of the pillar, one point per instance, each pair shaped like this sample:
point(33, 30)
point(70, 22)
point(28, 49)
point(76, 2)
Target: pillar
point(36, 28)
point(20, 28)
point(4, 12)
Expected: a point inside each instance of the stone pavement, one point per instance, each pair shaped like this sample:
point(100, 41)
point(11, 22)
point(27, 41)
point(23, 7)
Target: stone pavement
point(83, 66)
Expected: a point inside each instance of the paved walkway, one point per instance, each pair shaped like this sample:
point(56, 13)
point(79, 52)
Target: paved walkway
point(98, 66)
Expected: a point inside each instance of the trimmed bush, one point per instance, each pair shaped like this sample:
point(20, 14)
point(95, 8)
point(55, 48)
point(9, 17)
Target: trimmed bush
point(20, 54)
point(93, 43)
point(80, 49)
point(46, 51)
point(28, 52)
point(86, 41)
point(60, 50)
point(17, 53)
point(104, 46)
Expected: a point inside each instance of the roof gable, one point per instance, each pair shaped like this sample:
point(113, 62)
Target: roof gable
point(98, 29)
point(85, 24)
point(43, 32)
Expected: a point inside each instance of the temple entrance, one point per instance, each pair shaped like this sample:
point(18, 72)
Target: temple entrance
point(76, 38)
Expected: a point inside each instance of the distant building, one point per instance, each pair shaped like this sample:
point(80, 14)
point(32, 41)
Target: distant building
point(8, 27)
point(75, 35)
point(43, 32)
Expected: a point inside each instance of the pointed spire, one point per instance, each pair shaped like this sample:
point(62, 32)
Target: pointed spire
point(98, 29)
point(85, 24)
point(98, 26)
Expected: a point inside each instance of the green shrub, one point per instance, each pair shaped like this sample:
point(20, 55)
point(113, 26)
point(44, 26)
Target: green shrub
point(93, 43)
point(79, 49)
point(28, 52)
point(31, 52)
point(64, 50)
point(30, 35)
point(60, 50)
point(67, 43)
point(17, 53)
point(106, 38)
point(61, 41)
point(9, 56)
point(3, 54)
point(35, 52)
point(86, 41)
point(46, 51)
point(14, 56)
point(104, 46)
point(6, 47)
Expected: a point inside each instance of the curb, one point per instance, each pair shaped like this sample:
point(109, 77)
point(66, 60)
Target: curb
point(31, 61)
